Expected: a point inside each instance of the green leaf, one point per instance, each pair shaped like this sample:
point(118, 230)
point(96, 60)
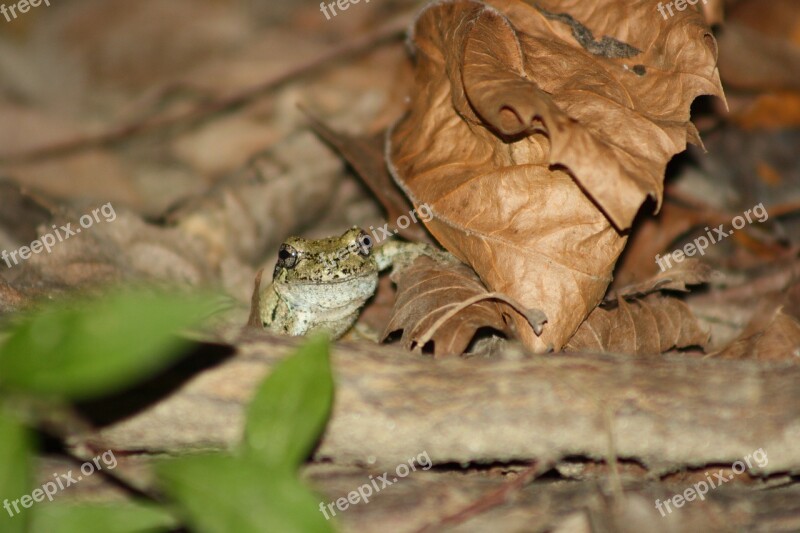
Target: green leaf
point(94, 347)
point(219, 494)
point(15, 468)
point(290, 408)
point(108, 518)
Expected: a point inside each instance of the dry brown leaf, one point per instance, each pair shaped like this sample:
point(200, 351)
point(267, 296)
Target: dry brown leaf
point(778, 340)
point(535, 137)
point(447, 304)
point(648, 326)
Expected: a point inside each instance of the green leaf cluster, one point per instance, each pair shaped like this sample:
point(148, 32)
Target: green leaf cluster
point(85, 349)
point(256, 489)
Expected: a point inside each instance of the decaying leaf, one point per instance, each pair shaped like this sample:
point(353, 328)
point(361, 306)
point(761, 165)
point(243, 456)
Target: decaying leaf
point(535, 133)
point(776, 340)
point(648, 326)
point(447, 304)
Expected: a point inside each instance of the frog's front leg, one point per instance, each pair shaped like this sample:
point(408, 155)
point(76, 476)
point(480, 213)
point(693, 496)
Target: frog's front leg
point(400, 254)
point(273, 310)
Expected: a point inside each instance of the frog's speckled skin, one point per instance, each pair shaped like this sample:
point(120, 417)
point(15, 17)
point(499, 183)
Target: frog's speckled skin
point(320, 285)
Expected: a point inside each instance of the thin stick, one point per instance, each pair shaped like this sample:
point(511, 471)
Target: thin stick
point(491, 499)
point(776, 210)
point(115, 478)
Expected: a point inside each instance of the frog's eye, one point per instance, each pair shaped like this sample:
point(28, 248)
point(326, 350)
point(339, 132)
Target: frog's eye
point(287, 257)
point(364, 243)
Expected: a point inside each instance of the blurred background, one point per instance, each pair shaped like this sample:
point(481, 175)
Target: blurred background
point(185, 114)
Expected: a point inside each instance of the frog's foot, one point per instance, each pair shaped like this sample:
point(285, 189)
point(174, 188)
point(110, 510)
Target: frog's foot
point(360, 332)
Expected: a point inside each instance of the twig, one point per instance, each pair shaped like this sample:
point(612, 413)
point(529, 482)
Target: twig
point(115, 478)
point(776, 278)
point(776, 210)
point(491, 499)
point(62, 424)
point(391, 30)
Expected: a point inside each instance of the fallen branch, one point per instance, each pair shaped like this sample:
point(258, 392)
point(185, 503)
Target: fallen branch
point(666, 413)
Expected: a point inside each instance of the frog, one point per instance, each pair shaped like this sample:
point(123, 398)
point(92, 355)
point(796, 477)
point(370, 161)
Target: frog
point(320, 285)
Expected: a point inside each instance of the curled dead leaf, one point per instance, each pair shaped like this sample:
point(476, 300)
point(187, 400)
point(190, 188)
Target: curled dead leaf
point(447, 304)
point(536, 132)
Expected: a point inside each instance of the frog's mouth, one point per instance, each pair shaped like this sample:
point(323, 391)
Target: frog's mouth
point(332, 281)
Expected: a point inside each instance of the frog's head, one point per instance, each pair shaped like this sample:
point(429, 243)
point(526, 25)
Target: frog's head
point(340, 267)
